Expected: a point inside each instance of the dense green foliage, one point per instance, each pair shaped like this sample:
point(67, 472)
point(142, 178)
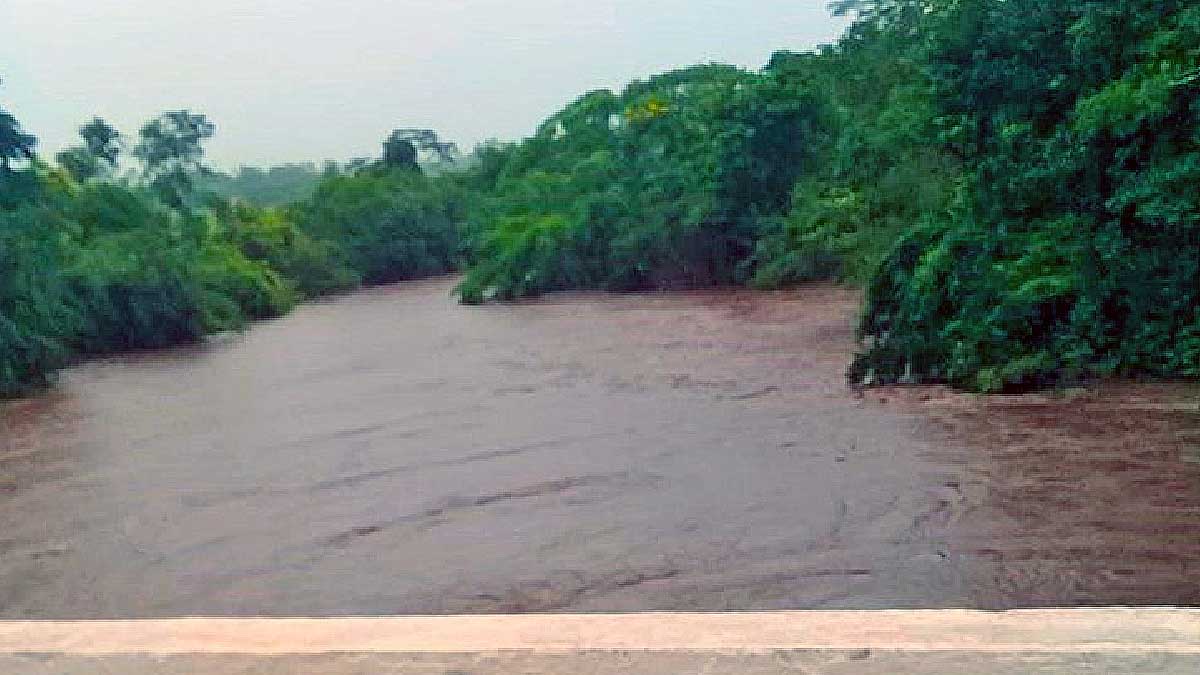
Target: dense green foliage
point(92, 263)
point(810, 168)
point(663, 184)
point(1013, 182)
point(386, 224)
point(879, 173)
point(94, 267)
point(1072, 248)
point(273, 186)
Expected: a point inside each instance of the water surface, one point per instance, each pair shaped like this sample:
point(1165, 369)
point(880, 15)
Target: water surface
point(393, 452)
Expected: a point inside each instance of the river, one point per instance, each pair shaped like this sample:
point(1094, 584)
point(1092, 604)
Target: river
point(391, 451)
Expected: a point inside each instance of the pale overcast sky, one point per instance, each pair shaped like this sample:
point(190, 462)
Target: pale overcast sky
point(296, 80)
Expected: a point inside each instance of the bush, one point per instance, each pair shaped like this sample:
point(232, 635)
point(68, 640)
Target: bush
point(385, 225)
point(34, 306)
point(662, 185)
point(92, 264)
point(141, 290)
point(1073, 252)
point(313, 267)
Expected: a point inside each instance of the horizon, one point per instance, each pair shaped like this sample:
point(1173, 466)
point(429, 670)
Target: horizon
point(341, 80)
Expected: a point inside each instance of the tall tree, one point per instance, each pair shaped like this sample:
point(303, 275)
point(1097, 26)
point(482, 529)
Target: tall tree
point(15, 144)
point(98, 154)
point(171, 149)
point(425, 144)
point(399, 152)
point(101, 140)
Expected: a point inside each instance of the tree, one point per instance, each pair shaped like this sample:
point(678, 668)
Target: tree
point(101, 140)
point(15, 144)
point(98, 154)
point(171, 149)
point(77, 161)
point(1070, 249)
point(663, 184)
point(407, 147)
point(399, 152)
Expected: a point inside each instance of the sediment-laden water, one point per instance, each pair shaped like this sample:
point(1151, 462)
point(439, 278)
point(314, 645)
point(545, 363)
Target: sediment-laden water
point(394, 452)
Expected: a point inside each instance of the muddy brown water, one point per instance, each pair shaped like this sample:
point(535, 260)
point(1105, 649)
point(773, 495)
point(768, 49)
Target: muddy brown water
point(393, 452)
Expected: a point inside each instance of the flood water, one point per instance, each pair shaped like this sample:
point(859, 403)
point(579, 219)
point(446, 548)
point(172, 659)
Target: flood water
point(393, 452)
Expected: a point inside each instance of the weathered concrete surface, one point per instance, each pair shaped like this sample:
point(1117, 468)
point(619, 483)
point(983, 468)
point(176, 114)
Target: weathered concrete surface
point(1025, 631)
point(778, 663)
point(1066, 641)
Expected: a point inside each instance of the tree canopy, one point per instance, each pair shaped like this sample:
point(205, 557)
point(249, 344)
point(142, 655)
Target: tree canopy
point(171, 149)
point(1013, 183)
point(15, 144)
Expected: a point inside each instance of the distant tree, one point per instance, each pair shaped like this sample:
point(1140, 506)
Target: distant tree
point(487, 161)
point(425, 146)
point(98, 154)
point(271, 186)
point(171, 150)
point(77, 161)
point(848, 7)
point(357, 164)
point(101, 140)
point(15, 144)
point(399, 152)
point(15, 186)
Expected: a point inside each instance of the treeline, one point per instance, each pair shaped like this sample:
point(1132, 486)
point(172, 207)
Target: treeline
point(1013, 182)
point(270, 186)
point(1071, 245)
point(117, 245)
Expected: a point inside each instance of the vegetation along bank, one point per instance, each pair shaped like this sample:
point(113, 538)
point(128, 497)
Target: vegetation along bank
point(1013, 183)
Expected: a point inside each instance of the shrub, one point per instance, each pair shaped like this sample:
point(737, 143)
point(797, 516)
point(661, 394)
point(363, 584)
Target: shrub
point(386, 225)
